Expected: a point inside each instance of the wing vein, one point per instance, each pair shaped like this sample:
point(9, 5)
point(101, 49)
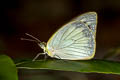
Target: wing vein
point(78, 52)
point(73, 54)
point(63, 35)
point(69, 34)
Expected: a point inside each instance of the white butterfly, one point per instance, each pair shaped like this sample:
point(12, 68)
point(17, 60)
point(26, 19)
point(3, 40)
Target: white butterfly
point(73, 41)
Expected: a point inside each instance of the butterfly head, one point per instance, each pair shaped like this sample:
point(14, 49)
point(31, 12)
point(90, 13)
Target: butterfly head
point(42, 45)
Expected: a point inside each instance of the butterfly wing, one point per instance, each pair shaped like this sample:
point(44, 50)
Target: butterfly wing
point(73, 41)
point(90, 19)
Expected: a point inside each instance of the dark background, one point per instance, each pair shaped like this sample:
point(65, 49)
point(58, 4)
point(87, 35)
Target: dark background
point(42, 18)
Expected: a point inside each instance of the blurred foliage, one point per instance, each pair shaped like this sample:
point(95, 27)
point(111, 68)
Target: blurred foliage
point(39, 75)
point(8, 69)
point(113, 52)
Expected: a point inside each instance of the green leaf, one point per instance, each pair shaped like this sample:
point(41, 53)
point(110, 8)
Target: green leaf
point(8, 69)
point(88, 66)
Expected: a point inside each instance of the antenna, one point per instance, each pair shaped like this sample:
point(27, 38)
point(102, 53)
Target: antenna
point(27, 39)
point(35, 39)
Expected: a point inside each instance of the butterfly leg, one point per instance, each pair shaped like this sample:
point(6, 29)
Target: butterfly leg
point(46, 56)
point(38, 56)
point(64, 60)
point(57, 56)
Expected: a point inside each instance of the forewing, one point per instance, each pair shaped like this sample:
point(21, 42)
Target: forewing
point(90, 19)
point(74, 41)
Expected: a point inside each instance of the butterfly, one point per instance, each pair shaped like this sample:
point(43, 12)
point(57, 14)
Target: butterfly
point(73, 41)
